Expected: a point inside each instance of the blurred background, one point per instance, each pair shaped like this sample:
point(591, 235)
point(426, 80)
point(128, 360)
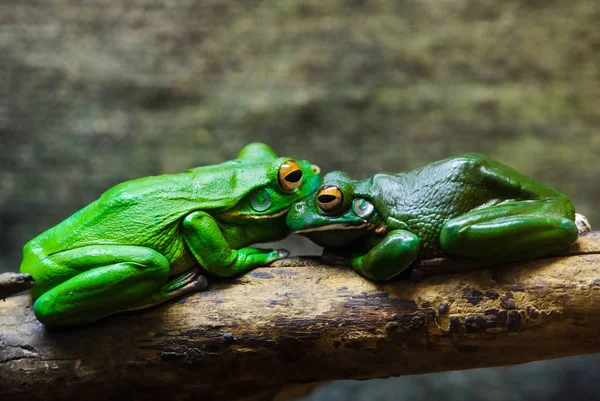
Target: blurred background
point(97, 92)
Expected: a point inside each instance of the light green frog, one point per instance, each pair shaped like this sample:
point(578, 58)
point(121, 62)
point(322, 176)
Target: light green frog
point(465, 207)
point(122, 251)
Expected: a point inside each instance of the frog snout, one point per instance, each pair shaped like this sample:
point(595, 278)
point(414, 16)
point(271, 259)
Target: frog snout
point(294, 218)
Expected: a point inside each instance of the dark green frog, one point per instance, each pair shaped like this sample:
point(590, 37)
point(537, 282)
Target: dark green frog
point(467, 207)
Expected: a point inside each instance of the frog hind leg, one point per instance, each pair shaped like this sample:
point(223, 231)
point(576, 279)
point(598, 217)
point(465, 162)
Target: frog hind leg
point(512, 230)
point(100, 281)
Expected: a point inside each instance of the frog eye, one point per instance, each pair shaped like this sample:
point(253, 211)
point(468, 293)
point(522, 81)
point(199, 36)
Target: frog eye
point(260, 200)
point(362, 207)
point(290, 176)
point(330, 198)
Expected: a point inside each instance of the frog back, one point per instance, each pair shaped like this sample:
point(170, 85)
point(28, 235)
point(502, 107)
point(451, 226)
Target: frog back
point(426, 198)
point(148, 211)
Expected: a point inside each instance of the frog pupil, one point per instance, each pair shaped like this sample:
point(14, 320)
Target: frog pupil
point(326, 198)
point(294, 176)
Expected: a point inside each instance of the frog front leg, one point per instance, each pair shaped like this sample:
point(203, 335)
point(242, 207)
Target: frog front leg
point(512, 230)
point(394, 253)
point(91, 282)
point(206, 241)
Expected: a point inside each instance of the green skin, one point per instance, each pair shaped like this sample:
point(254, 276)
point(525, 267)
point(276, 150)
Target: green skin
point(139, 244)
point(466, 207)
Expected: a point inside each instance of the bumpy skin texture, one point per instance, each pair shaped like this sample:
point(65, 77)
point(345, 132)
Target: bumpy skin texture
point(467, 207)
point(122, 251)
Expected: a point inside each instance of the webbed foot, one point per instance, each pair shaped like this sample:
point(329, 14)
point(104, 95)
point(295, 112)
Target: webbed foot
point(187, 283)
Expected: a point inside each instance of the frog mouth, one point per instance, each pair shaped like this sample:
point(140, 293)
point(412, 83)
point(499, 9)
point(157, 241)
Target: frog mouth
point(266, 216)
point(272, 215)
point(332, 227)
point(364, 224)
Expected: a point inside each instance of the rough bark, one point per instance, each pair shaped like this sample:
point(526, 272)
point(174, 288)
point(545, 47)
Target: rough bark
point(302, 322)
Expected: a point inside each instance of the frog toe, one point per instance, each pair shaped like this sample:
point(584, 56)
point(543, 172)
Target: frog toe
point(283, 253)
point(277, 255)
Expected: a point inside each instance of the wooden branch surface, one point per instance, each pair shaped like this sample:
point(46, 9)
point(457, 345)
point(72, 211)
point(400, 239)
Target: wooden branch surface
point(12, 283)
point(301, 322)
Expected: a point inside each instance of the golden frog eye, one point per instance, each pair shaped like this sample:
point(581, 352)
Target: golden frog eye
point(330, 198)
point(290, 176)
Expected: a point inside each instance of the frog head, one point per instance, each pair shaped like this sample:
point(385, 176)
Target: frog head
point(263, 187)
point(337, 214)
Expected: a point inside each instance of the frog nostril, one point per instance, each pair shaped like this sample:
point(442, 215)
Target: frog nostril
point(316, 169)
point(299, 206)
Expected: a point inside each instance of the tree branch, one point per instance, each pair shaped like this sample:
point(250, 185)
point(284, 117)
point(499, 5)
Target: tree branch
point(12, 283)
point(301, 322)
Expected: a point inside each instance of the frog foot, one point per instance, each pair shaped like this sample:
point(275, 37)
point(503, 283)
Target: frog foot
point(582, 223)
point(255, 257)
point(188, 282)
point(192, 281)
point(182, 280)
